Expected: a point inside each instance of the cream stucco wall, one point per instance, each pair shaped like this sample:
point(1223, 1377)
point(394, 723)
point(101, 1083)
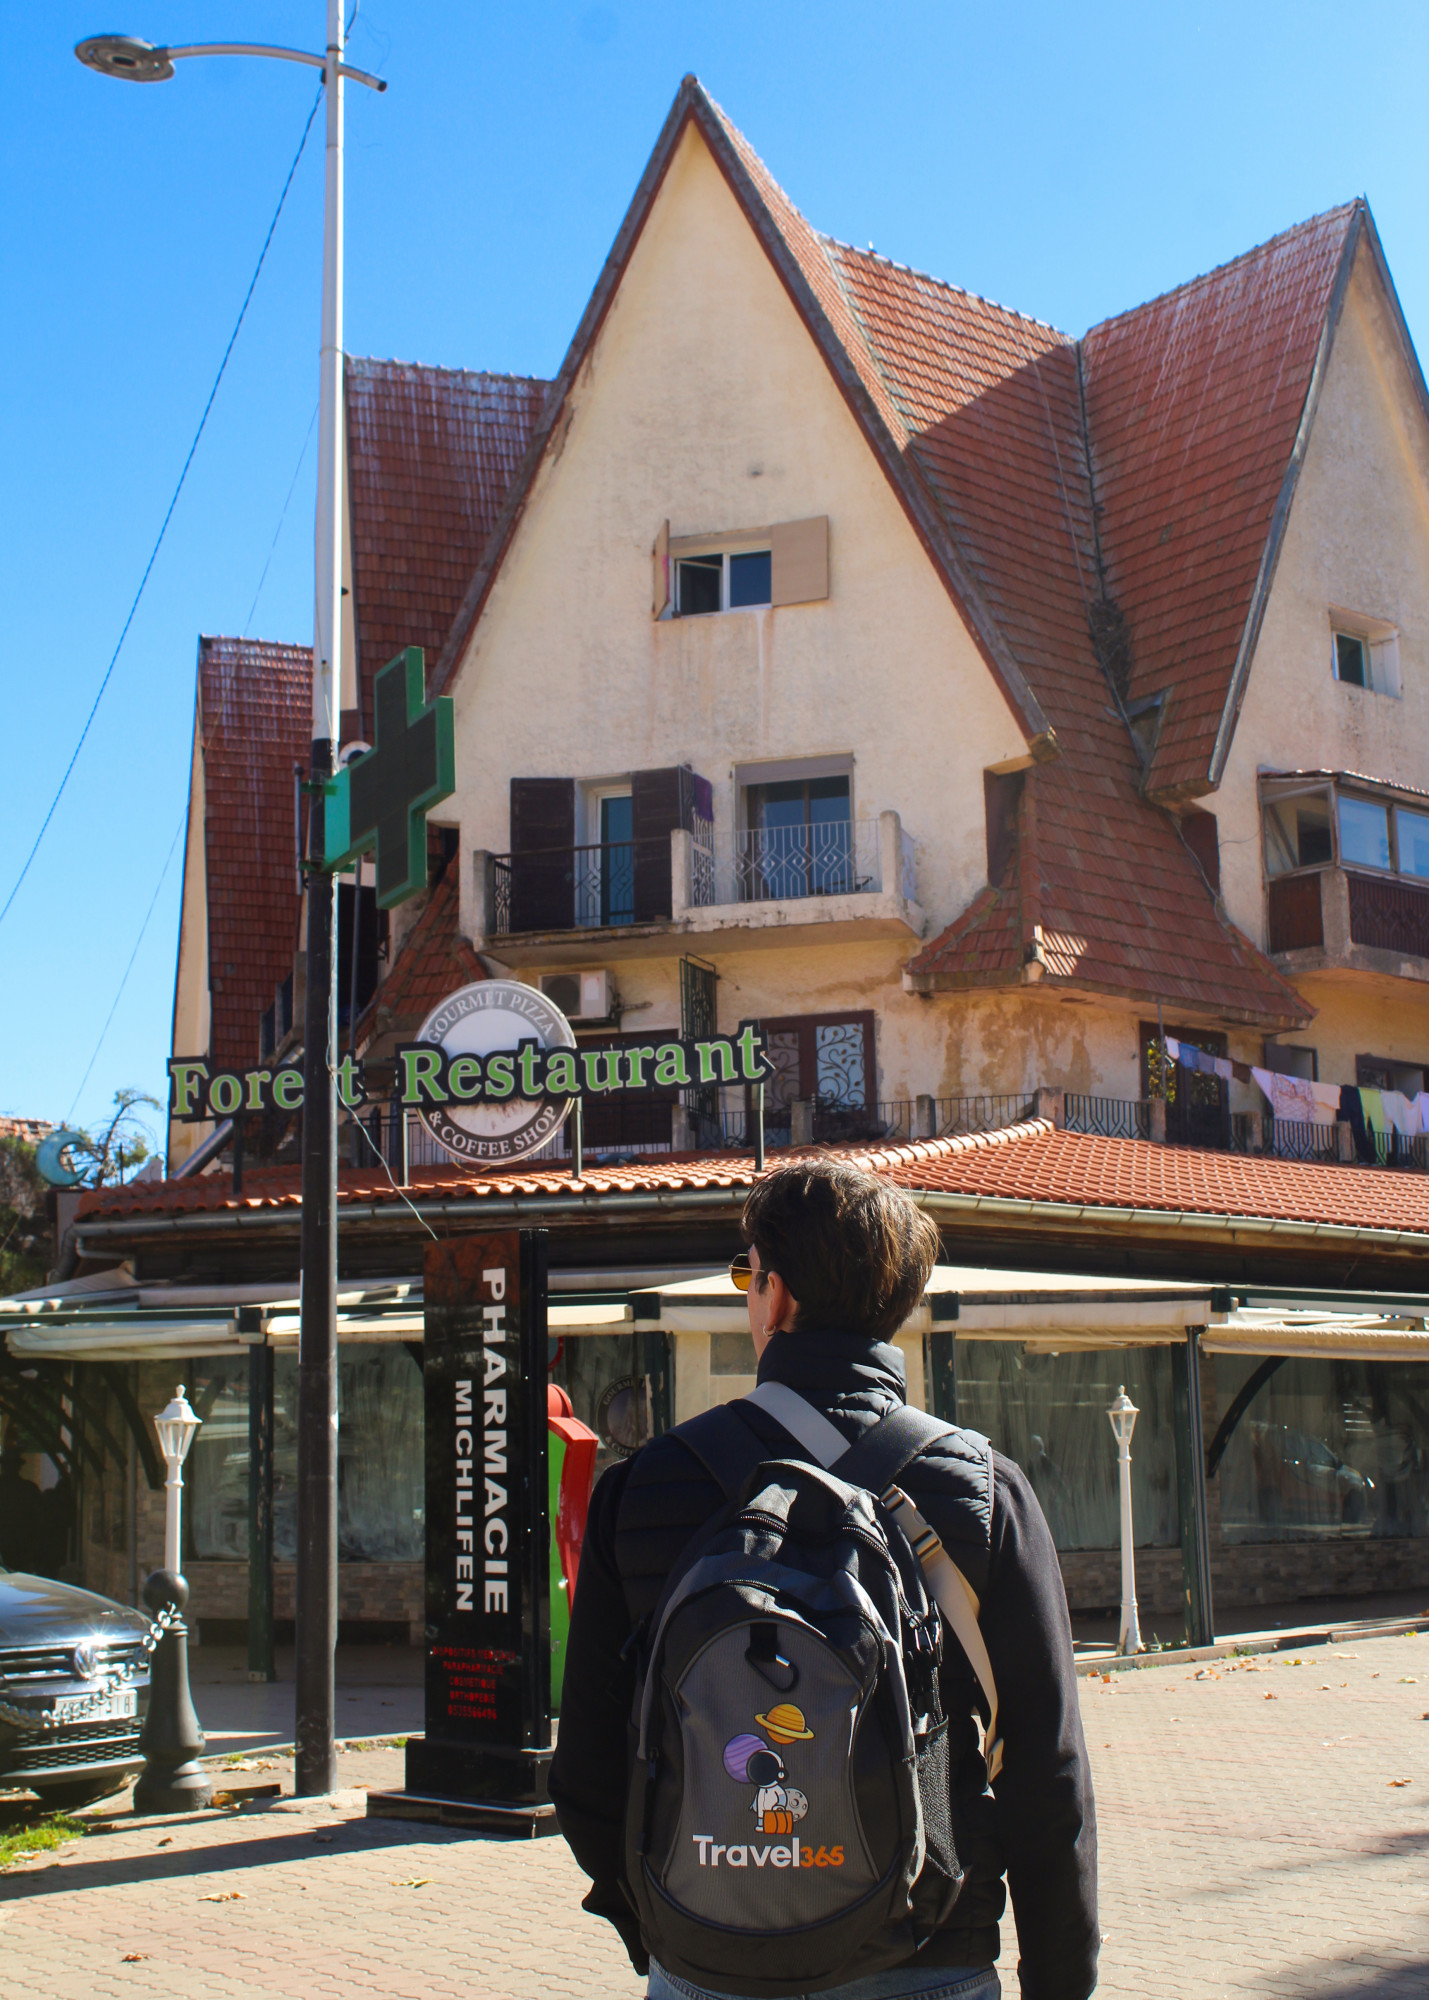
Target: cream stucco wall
point(705, 402)
point(1357, 540)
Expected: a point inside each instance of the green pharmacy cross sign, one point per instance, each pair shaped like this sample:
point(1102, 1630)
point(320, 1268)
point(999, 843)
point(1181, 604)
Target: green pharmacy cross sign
point(382, 799)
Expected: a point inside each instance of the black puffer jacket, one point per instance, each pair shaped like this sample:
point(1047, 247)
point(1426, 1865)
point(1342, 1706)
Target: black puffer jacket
point(1039, 1828)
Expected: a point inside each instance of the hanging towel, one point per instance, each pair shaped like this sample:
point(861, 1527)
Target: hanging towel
point(1402, 1113)
point(1421, 1104)
point(1173, 1047)
point(1374, 1113)
point(1290, 1096)
point(1223, 1067)
point(1327, 1099)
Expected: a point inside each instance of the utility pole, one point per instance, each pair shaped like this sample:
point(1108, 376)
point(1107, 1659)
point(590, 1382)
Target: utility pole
point(315, 1768)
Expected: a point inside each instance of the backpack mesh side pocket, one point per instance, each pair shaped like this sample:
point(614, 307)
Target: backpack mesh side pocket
point(936, 1890)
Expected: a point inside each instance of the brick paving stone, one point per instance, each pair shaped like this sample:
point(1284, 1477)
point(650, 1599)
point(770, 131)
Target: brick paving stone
point(1251, 1846)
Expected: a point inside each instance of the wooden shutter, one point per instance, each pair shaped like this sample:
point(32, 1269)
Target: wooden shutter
point(543, 838)
point(799, 552)
point(660, 557)
point(657, 800)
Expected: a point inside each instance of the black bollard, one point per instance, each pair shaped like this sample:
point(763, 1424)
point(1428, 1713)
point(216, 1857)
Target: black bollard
point(172, 1779)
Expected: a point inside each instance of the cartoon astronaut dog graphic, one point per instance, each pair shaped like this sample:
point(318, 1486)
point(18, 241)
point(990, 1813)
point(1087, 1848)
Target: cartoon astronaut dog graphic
point(749, 1760)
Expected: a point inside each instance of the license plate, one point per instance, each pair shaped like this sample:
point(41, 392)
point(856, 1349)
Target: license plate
point(85, 1708)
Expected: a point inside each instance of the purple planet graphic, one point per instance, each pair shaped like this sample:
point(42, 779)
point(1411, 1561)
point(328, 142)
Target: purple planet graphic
point(737, 1753)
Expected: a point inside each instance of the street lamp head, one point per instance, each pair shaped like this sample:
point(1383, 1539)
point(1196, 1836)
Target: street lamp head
point(127, 57)
point(176, 1426)
point(1123, 1414)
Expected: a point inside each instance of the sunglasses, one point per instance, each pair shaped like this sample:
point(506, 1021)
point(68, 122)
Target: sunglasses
point(740, 1275)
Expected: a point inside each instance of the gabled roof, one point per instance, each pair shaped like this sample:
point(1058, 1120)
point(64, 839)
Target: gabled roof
point(1198, 411)
point(433, 960)
point(431, 453)
point(975, 414)
point(255, 725)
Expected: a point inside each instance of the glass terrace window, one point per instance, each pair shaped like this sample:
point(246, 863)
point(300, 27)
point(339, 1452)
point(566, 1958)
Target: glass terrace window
point(1297, 833)
point(1364, 833)
point(1412, 841)
point(722, 582)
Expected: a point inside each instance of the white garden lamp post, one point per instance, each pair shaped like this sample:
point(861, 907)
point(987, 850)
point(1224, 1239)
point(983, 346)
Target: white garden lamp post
point(1123, 1414)
point(176, 1426)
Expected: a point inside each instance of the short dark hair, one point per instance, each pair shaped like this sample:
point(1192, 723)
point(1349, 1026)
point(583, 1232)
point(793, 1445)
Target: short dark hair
point(854, 1250)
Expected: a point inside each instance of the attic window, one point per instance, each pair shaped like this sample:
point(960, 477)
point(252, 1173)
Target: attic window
point(1350, 662)
point(722, 581)
point(1364, 652)
point(742, 569)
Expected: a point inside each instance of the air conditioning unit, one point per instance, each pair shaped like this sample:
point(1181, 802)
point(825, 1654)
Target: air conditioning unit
point(581, 996)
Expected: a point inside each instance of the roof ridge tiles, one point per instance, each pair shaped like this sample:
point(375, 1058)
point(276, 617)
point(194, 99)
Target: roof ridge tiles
point(943, 284)
point(1345, 209)
point(442, 368)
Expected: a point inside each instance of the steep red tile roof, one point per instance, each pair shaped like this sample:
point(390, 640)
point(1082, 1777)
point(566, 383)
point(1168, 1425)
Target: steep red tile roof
point(1194, 403)
point(431, 453)
point(255, 724)
point(434, 959)
point(1106, 895)
point(1026, 1163)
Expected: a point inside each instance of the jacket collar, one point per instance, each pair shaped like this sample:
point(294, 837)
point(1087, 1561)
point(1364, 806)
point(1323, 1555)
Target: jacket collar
point(830, 1367)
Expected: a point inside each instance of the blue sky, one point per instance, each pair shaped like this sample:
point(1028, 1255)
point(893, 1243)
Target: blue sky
point(1066, 161)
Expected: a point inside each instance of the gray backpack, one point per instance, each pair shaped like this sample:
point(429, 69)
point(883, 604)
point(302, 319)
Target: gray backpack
point(788, 1821)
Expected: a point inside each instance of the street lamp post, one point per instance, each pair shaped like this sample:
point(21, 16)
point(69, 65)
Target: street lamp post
point(176, 1426)
point(173, 1779)
point(1123, 1414)
point(315, 1770)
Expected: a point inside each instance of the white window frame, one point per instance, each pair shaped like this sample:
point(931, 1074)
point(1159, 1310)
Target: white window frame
point(1381, 646)
point(592, 795)
point(684, 548)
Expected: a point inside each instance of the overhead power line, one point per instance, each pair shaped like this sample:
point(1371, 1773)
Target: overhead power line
point(153, 901)
point(292, 489)
point(169, 515)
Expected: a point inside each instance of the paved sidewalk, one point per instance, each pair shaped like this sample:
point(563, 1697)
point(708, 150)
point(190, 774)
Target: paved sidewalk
point(1264, 1822)
point(379, 1693)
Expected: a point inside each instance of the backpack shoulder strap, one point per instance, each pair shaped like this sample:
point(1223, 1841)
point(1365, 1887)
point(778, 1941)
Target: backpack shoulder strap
point(875, 1462)
point(888, 1447)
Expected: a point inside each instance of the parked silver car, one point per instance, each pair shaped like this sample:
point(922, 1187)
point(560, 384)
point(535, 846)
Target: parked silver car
point(74, 1689)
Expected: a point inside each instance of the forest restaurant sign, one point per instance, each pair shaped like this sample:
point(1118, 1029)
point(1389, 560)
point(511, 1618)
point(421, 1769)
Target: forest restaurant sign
point(493, 1072)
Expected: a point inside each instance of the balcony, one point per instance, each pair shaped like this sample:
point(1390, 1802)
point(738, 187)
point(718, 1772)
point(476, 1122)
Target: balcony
point(1346, 918)
point(757, 888)
point(723, 1121)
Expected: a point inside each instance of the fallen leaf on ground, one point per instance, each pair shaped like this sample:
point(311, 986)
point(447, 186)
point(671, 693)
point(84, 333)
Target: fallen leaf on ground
point(413, 1882)
point(167, 1841)
point(324, 1838)
point(1409, 1680)
point(225, 1896)
point(1401, 1781)
point(134, 1958)
point(1271, 1697)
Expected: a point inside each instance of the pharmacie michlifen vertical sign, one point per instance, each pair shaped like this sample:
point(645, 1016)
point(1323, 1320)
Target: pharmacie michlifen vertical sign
point(488, 1606)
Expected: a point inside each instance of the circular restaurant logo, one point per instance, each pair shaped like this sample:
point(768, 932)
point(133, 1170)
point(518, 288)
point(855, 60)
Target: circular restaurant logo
point(477, 1021)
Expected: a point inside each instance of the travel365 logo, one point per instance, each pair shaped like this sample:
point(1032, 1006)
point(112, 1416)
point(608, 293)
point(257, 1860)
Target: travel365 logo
point(777, 1805)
